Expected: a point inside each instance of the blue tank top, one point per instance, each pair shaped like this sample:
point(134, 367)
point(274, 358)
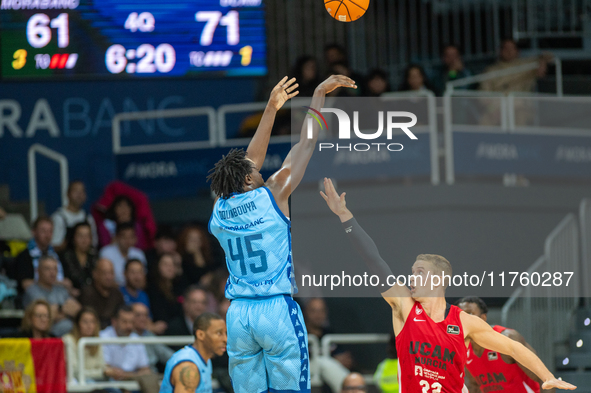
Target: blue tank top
point(256, 239)
point(188, 354)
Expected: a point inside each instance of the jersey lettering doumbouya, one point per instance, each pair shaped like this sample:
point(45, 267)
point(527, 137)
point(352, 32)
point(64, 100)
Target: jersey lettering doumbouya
point(256, 239)
point(188, 354)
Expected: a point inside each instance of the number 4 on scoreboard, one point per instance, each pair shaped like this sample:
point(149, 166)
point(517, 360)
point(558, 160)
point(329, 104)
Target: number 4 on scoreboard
point(143, 22)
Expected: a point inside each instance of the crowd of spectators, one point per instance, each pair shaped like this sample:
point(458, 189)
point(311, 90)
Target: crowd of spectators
point(309, 72)
point(110, 274)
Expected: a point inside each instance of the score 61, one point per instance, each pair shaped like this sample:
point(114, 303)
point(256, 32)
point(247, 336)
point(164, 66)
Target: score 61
point(212, 19)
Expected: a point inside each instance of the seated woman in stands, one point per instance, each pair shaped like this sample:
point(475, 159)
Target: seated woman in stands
point(86, 324)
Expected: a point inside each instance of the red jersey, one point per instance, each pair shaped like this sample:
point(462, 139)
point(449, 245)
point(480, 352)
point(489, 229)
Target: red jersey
point(493, 374)
point(431, 356)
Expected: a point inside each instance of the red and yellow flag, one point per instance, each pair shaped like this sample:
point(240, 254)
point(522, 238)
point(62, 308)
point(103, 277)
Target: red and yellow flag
point(32, 365)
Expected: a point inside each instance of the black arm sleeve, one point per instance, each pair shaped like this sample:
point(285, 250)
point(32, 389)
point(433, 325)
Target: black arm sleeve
point(367, 249)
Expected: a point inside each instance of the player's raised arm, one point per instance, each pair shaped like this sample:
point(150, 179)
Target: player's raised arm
point(283, 91)
point(283, 182)
point(482, 334)
point(398, 296)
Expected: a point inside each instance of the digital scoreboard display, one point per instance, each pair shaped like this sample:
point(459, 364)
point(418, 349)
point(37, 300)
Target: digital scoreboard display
point(75, 39)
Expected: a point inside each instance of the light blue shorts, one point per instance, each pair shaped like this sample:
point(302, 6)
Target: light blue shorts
point(267, 345)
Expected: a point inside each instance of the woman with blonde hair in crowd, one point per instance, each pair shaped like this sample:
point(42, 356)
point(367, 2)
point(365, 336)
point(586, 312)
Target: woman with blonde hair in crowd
point(37, 320)
point(86, 324)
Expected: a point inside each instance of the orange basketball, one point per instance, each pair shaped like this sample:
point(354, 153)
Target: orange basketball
point(346, 10)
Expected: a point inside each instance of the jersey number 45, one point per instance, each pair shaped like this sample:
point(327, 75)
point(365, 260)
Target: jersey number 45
point(251, 254)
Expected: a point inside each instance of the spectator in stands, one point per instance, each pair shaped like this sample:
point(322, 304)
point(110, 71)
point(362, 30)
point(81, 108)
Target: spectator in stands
point(354, 383)
point(86, 324)
point(135, 282)
point(102, 295)
point(376, 83)
point(126, 361)
point(386, 375)
point(415, 79)
point(2, 213)
point(164, 243)
point(334, 54)
point(121, 203)
point(37, 320)
point(194, 304)
point(523, 81)
point(80, 257)
point(122, 250)
point(158, 354)
point(331, 370)
point(216, 288)
point(316, 317)
point(164, 294)
point(307, 76)
point(195, 247)
point(122, 210)
point(27, 262)
point(66, 217)
point(63, 307)
point(451, 69)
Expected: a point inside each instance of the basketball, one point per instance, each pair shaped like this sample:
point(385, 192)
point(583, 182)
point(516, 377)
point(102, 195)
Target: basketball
point(346, 10)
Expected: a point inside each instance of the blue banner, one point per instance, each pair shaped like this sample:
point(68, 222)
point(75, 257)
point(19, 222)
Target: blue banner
point(478, 153)
point(183, 173)
point(75, 119)
point(171, 174)
point(371, 160)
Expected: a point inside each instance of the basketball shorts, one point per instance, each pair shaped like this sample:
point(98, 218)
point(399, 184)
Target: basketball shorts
point(267, 345)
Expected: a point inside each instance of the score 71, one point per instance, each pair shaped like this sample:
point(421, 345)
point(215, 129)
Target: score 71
point(213, 18)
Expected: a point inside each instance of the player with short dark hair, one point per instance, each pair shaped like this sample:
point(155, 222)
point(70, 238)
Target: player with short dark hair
point(431, 335)
point(267, 338)
point(189, 369)
point(491, 371)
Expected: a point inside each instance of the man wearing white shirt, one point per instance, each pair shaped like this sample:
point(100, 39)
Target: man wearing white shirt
point(126, 361)
point(66, 217)
point(121, 250)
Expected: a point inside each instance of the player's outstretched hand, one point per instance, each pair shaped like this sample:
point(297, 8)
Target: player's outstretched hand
point(557, 384)
point(283, 91)
point(334, 81)
point(335, 202)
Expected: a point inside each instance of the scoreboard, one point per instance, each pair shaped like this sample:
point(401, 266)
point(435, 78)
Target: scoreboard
point(82, 39)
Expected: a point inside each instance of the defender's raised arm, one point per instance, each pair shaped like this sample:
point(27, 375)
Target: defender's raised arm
point(365, 246)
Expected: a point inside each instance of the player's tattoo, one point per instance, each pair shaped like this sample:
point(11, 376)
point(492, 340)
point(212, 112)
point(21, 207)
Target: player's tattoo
point(189, 378)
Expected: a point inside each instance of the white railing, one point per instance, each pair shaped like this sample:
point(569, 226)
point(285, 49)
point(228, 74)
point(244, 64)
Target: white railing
point(358, 338)
point(32, 164)
point(549, 18)
point(537, 103)
point(541, 313)
point(83, 385)
point(470, 80)
point(432, 116)
point(161, 114)
point(585, 222)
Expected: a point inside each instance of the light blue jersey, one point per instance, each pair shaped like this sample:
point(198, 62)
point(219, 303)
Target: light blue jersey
point(188, 354)
point(256, 239)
